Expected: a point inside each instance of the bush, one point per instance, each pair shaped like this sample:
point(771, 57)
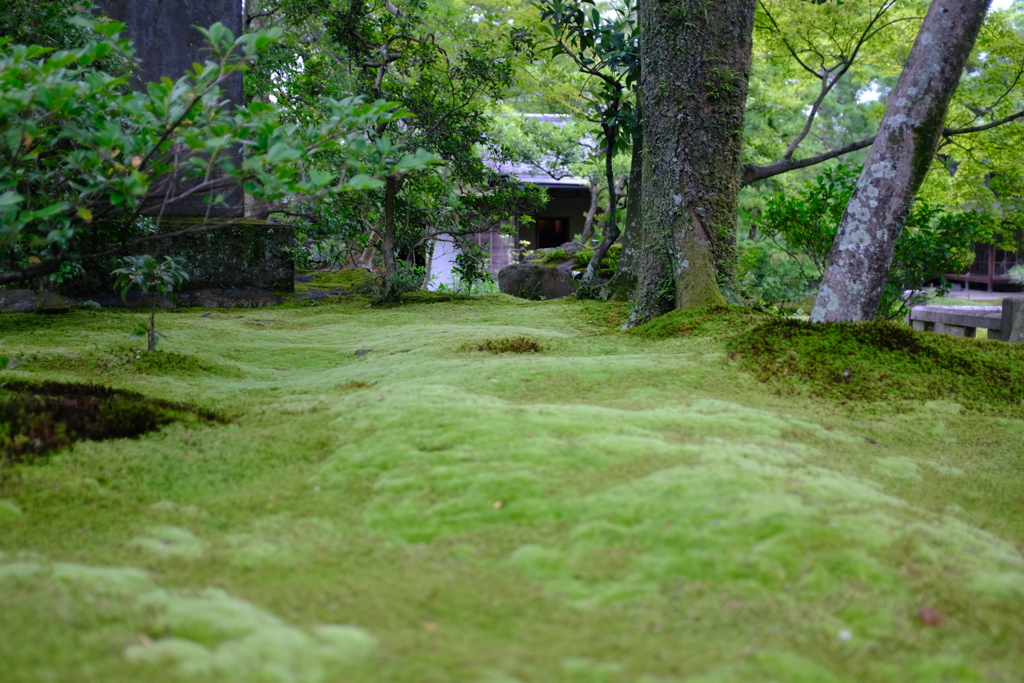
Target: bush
point(81, 151)
point(772, 277)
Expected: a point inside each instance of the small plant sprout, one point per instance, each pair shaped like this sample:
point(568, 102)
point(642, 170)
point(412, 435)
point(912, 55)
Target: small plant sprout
point(149, 276)
point(1016, 275)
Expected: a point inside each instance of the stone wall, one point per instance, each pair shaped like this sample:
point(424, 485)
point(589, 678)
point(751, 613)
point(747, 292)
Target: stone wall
point(167, 44)
point(248, 253)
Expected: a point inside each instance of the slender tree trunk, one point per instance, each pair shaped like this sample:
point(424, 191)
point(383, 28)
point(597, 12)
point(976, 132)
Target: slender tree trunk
point(611, 231)
point(588, 224)
point(428, 270)
point(388, 247)
point(898, 162)
point(626, 276)
point(695, 63)
point(151, 337)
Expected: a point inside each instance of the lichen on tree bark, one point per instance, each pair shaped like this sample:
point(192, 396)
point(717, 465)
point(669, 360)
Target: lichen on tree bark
point(898, 162)
point(695, 61)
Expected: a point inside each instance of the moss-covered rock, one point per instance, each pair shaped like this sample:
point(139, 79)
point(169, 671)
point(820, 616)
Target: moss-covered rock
point(537, 280)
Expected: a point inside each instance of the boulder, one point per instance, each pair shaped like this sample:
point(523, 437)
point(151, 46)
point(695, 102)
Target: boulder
point(534, 280)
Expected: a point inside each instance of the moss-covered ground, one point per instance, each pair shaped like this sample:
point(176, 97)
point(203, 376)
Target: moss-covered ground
point(382, 501)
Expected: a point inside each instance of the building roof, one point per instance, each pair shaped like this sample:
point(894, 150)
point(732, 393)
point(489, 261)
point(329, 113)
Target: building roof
point(530, 174)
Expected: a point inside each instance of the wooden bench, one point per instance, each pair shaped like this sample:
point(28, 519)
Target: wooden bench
point(964, 321)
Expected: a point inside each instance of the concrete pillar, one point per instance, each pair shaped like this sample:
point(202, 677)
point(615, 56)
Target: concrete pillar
point(1013, 321)
point(167, 44)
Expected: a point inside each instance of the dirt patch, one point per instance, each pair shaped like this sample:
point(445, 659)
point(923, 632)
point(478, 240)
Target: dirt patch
point(36, 419)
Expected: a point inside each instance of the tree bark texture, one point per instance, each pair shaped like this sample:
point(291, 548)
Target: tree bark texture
point(898, 162)
point(623, 283)
point(611, 229)
point(695, 63)
point(151, 335)
point(588, 224)
point(388, 247)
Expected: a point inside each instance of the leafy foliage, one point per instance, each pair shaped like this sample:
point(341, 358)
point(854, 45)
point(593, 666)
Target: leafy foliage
point(447, 68)
point(79, 149)
point(770, 276)
point(471, 265)
point(605, 47)
point(807, 222)
point(44, 22)
point(149, 275)
point(934, 242)
point(1017, 275)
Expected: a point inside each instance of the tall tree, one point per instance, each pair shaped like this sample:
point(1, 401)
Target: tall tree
point(898, 162)
point(443, 65)
point(695, 63)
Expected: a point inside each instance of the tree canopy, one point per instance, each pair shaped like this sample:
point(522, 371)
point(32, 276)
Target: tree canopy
point(458, 78)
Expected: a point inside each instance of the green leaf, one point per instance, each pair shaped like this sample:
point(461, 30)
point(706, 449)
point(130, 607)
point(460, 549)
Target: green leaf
point(320, 178)
point(362, 181)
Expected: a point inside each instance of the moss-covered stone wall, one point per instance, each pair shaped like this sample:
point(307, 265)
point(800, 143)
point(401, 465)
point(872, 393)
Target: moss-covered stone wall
point(248, 253)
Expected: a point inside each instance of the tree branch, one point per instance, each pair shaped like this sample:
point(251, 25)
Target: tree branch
point(751, 173)
point(949, 132)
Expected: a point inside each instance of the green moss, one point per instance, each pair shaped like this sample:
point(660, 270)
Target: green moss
point(623, 507)
point(124, 359)
point(712, 321)
point(345, 278)
point(883, 361)
point(555, 257)
point(950, 301)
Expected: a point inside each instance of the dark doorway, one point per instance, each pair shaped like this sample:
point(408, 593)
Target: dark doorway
point(552, 232)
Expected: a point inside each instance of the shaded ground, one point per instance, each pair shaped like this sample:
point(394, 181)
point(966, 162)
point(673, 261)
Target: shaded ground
point(37, 419)
point(613, 507)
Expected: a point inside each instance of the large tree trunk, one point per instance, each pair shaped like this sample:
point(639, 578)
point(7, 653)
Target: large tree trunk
point(695, 62)
point(622, 284)
point(899, 159)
